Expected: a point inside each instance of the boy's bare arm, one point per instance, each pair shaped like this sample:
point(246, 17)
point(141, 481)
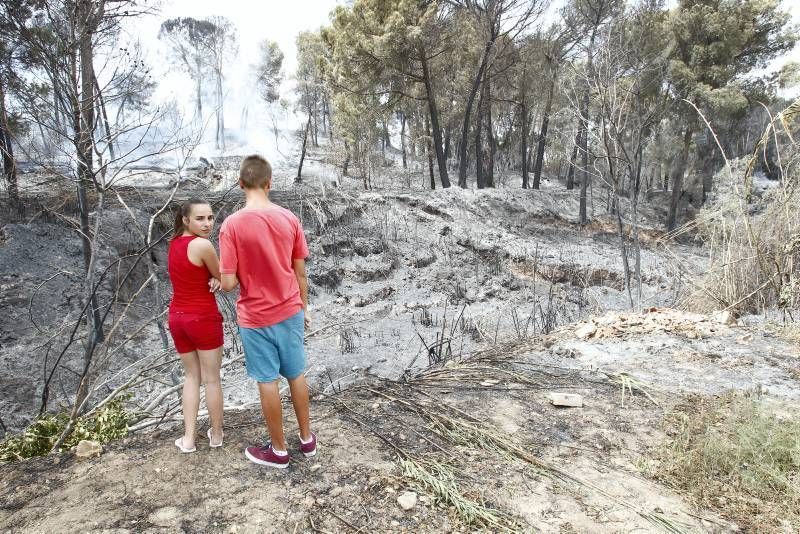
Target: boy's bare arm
point(229, 282)
point(299, 267)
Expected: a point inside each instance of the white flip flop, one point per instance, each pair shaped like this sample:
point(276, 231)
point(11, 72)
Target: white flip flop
point(209, 440)
point(179, 444)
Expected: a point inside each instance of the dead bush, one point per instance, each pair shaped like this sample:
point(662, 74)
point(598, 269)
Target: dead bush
point(753, 237)
point(737, 454)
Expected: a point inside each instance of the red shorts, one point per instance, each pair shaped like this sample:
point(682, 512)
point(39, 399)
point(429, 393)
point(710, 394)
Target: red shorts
point(195, 331)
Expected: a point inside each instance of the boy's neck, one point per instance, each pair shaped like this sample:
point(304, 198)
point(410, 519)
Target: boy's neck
point(257, 198)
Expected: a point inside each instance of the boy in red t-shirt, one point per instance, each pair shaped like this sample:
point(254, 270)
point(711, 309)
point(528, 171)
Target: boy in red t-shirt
point(263, 251)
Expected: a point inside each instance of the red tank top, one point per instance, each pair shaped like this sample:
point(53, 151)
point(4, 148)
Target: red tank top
point(190, 292)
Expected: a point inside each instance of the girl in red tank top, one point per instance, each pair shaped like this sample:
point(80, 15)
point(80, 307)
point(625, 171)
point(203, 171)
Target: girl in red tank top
point(194, 319)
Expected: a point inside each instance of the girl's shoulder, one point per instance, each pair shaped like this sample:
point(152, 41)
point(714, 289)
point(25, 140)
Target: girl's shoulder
point(200, 243)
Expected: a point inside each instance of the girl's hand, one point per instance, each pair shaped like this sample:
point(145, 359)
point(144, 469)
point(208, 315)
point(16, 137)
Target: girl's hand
point(214, 285)
point(306, 319)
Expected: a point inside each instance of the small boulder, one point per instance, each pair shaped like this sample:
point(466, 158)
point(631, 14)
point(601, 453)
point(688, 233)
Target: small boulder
point(407, 501)
point(566, 399)
point(586, 331)
point(88, 449)
point(169, 516)
point(724, 317)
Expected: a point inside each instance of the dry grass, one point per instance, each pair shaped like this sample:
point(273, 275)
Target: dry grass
point(754, 241)
point(736, 454)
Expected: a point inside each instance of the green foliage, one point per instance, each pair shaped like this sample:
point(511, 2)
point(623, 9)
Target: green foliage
point(736, 453)
point(268, 70)
point(718, 41)
point(108, 423)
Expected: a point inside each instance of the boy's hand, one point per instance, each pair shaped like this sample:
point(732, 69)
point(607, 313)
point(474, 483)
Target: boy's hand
point(214, 285)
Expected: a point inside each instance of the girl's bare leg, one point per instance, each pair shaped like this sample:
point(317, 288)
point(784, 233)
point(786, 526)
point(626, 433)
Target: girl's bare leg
point(190, 397)
point(210, 361)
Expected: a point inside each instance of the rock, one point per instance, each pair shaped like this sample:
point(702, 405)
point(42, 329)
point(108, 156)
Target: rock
point(169, 516)
point(309, 501)
point(723, 317)
point(586, 331)
point(407, 501)
point(566, 399)
point(316, 467)
point(88, 449)
point(335, 492)
point(376, 406)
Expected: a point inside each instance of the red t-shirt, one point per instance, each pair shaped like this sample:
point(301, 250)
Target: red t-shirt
point(258, 245)
point(190, 292)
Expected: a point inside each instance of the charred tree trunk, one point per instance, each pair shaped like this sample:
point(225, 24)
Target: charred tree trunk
point(524, 141)
point(479, 178)
point(220, 112)
point(677, 180)
point(429, 152)
point(101, 106)
point(585, 137)
point(346, 163)
point(490, 140)
point(573, 161)
point(462, 148)
point(299, 178)
point(7, 149)
point(403, 138)
point(542, 141)
point(434, 124)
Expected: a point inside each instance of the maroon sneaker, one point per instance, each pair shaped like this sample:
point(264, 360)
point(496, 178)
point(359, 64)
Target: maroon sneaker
point(310, 448)
point(266, 456)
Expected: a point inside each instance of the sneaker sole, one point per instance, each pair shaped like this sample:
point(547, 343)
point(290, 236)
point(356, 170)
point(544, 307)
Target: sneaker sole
point(310, 454)
point(262, 462)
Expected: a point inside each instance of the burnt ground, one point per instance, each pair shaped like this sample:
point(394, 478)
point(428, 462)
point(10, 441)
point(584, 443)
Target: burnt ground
point(483, 426)
point(440, 324)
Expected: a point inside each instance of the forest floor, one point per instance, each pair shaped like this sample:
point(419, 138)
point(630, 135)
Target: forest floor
point(442, 321)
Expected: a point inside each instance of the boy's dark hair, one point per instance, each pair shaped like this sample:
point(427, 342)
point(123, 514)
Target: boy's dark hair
point(255, 172)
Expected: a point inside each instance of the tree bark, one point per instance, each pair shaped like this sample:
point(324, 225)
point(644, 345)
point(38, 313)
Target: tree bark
point(346, 163)
point(101, 106)
point(299, 178)
point(479, 178)
point(434, 118)
point(6, 147)
point(677, 180)
point(429, 152)
point(84, 119)
point(585, 128)
point(403, 138)
point(487, 110)
point(220, 112)
point(198, 87)
point(524, 147)
point(462, 147)
point(537, 166)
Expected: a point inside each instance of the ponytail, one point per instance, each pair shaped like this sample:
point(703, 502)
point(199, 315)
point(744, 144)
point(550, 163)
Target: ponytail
point(184, 210)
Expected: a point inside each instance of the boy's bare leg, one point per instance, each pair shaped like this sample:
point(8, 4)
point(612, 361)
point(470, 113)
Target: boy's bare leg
point(273, 414)
point(299, 390)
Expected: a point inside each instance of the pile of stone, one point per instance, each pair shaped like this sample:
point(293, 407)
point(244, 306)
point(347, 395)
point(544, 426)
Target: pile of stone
point(654, 321)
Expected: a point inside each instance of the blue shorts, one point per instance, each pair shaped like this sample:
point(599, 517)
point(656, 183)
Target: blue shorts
point(275, 350)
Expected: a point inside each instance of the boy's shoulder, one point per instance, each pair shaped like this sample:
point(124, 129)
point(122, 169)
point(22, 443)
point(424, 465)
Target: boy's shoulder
point(245, 216)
